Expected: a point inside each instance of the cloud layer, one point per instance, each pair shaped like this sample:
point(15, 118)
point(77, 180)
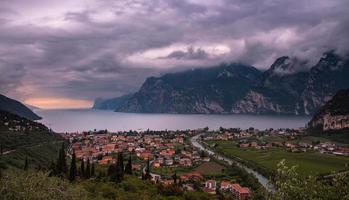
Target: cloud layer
point(80, 50)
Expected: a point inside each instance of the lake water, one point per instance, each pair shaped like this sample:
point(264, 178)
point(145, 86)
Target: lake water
point(88, 119)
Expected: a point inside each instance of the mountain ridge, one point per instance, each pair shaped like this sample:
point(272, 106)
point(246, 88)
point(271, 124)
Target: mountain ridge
point(16, 107)
point(285, 88)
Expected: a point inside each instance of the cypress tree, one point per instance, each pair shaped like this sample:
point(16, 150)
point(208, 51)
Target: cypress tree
point(88, 169)
point(62, 167)
point(121, 164)
point(119, 173)
point(26, 164)
point(175, 178)
point(52, 167)
point(111, 172)
point(143, 176)
point(128, 168)
point(82, 168)
point(147, 175)
point(93, 170)
point(73, 170)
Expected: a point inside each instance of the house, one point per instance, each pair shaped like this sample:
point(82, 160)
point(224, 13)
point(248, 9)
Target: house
point(185, 162)
point(245, 145)
point(168, 182)
point(211, 184)
point(225, 185)
point(241, 193)
point(193, 176)
point(145, 155)
point(156, 164)
point(106, 160)
point(136, 167)
point(169, 162)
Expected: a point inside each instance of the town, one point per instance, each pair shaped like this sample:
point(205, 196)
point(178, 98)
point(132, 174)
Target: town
point(287, 139)
point(169, 153)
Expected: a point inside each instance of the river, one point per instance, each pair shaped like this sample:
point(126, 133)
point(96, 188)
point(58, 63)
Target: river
point(261, 179)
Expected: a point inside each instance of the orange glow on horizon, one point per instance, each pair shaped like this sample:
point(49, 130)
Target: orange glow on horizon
point(56, 103)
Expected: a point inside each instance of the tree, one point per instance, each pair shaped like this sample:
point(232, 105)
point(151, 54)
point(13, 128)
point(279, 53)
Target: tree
point(128, 168)
point(26, 164)
point(147, 175)
point(62, 167)
point(73, 170)
point(121, 163)
point(174, 176)
point(290, 185)
point(1, 149)
point(52, 167)
point(93, 169)
point(82, 168)
point(111, 172)
point(88, 169)
point(119, 173)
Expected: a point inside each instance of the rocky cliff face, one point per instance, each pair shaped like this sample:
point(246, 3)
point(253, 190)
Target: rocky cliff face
point(328, 76)
point(334, 115)
point(211, 90)
point(257, 103)
point(285, 88)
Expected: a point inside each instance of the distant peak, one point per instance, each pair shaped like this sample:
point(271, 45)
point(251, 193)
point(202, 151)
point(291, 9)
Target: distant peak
point(330, 55)
point(280, 62)
point(285, 65)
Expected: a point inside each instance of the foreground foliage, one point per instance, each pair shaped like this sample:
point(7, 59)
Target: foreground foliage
point(18, 185)
point(290, 185)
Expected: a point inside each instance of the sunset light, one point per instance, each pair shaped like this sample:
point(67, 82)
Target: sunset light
point(56, 103)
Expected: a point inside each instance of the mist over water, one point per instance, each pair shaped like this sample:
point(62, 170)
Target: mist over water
point(87, 119)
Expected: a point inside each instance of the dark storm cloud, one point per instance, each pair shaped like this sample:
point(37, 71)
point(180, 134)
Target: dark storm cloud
point(84, 50)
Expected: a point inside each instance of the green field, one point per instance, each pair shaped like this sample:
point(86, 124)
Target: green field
point(308, 162)
point(210, 168)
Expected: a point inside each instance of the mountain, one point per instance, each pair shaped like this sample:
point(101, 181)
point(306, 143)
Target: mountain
point(277, 90)
point(287, 87)
point(334, 115)
point(328, 76)
point(111, 104)
point(207, 90)
point(16, 107)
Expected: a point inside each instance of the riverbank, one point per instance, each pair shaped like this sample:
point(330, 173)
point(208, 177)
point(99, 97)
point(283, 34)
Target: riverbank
point(261, 179)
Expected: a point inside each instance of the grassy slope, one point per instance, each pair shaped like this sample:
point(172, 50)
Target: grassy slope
point(40, 148)
point(308, 163)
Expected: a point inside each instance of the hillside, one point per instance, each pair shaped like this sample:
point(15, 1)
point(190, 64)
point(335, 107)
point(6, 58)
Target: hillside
point(16, 107)
point(21, 138)
point(334, 115)
point(285, 88)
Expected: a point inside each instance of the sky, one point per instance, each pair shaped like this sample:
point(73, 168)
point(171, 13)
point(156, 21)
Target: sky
point(65, 54)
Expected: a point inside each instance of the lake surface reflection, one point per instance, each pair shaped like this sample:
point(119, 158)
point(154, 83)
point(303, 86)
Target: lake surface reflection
point(88, 119)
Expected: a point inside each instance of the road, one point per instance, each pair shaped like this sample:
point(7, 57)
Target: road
point(30, 146)
point(151, 174)
point(261, 179)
